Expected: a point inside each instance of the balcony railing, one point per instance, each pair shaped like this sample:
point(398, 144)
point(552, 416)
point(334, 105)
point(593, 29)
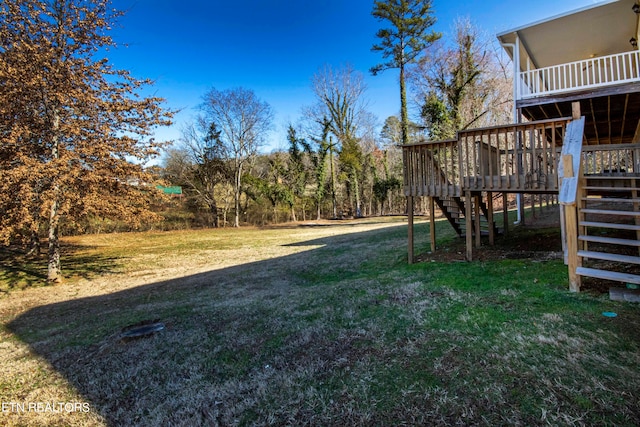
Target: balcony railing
point(579, 75)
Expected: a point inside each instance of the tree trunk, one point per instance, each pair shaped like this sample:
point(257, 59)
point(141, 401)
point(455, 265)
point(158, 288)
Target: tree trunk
point(236, 220)
point(53, 272)
point(356, 190)
point(404, 116)
point(333, 181)
point(214, 213)
point(34, 246)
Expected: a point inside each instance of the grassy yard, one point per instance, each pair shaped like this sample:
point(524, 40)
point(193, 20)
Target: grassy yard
point(314, 324)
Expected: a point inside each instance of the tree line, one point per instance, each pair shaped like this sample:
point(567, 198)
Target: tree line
point(338, 164)
point(76, 132)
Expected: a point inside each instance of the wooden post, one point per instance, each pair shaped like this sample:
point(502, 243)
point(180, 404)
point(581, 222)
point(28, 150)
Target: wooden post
point(575, 110)
point(469, 224)
point(410, 220)
point(505, 213)
point(492, 235)
point(563, 235)
point(476, 212)
point(432, 223)
point(571, 224)
point(533, 206)
point(636, 207)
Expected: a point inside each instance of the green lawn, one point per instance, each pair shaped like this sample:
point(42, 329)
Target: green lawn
point(311, 325)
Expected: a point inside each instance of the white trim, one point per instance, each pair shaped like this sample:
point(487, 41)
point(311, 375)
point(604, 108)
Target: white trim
point(579, 75)
point(561, 15)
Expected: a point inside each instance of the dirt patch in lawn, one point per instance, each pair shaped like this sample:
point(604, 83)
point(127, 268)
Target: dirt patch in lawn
point(538, 238)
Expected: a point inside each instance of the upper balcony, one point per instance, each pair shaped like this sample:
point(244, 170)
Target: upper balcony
point(577, 76)
point(588, 55)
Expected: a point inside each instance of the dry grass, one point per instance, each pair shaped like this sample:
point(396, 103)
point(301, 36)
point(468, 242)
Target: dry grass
point(313, 325)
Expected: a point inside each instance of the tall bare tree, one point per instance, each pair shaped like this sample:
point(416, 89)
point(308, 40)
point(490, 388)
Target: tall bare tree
point(244, 122)
point(74, 131)
point(402, 42)
point(462, 84)
point(340, 100)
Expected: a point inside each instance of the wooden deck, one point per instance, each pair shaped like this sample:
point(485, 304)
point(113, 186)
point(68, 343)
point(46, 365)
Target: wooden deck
point(461, 177)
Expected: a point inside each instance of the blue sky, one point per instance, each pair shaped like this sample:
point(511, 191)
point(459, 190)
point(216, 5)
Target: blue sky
point(274, 47)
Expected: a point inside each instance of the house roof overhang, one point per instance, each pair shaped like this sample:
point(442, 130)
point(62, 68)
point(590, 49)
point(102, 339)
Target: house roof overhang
point(597, 30)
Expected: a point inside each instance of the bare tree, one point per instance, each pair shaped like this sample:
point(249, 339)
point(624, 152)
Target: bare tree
point(463, 84)
point(243, 122)
point(340, 100)
point(198, 164)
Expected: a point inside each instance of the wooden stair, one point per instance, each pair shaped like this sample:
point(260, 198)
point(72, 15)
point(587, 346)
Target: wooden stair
point(609, 228)
point(453, 208)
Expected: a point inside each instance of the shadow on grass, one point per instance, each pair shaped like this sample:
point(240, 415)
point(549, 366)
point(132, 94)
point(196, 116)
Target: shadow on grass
point(80, 337)
point(19, 270)
point(246, 345)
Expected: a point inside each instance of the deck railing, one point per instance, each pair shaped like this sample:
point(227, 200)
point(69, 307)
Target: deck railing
point(516, 158)
point(431, 168)
point(511, 158)
point(612, 159)
point(579, 75)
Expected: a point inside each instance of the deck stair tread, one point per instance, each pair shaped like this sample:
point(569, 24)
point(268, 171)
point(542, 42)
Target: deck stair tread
point(610, 189)
point(609, 240)
point(606, 256)
point(610, 200)
point(609, 212)
point(617, 177)
point(608, 275)
point(453, 209)
point(617, 226)
point(618, 193)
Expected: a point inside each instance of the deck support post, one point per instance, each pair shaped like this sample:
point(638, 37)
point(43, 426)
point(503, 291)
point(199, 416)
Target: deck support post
point(636, 207)
point(477, 199)
point(571, 224)
point(432, 223)
point(505, 213)
point(492, 234)
point(563, 235)
point(468, 214)
point(410, 226)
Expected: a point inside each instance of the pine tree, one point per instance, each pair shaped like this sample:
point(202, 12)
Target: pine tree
point(74, 131)
point(403, 41)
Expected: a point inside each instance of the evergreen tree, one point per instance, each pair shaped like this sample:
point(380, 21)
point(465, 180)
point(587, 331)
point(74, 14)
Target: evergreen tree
point(403, 41)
